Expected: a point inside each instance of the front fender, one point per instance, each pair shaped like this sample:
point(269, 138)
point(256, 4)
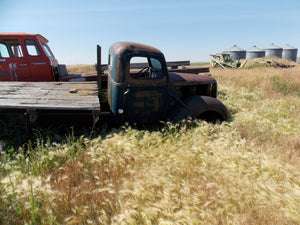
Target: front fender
point(202, 107)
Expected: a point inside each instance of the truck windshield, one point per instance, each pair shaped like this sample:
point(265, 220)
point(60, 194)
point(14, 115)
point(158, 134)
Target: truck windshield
point(145, 68)
point(47, 50)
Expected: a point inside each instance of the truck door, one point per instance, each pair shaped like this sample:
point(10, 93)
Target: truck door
point(40, 66)
point(13, 64)
point(147, 98)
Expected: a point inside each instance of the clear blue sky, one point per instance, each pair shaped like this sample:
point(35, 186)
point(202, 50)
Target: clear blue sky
point(182, 29)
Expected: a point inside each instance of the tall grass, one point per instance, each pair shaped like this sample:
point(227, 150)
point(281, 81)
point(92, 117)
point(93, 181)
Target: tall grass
point(243, 171)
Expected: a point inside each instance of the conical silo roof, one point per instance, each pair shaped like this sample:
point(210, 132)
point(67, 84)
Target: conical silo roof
point(255, 49)
point(272, 46)
point(287, 46)
point(234, 48)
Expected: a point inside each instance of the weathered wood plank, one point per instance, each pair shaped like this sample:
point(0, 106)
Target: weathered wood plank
point(49, 95)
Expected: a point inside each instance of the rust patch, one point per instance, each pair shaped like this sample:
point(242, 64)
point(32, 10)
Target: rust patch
point(187, 79)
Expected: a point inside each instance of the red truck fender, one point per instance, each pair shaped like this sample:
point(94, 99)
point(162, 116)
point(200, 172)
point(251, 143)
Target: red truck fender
point(200, 107)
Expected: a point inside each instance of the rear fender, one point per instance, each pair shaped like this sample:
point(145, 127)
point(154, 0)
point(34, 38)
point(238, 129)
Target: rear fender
point(201, 107)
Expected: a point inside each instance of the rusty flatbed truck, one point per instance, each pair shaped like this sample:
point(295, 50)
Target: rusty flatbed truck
point(146, 95)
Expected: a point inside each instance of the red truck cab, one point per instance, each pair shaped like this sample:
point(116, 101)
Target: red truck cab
point(26, 57)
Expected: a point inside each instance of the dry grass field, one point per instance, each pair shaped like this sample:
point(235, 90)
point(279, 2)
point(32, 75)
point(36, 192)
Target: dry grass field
point(78, 69)
point(243, 171)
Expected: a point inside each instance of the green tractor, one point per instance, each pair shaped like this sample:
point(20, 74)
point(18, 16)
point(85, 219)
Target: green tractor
point(223, 60)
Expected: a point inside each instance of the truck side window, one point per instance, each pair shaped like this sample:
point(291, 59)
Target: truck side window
point(17, 51)
point(10, 48)
point(3, 51)
point(32, 48)
point(145, 68)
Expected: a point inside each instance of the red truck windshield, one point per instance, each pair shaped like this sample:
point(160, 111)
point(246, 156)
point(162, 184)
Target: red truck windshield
point(47, 50)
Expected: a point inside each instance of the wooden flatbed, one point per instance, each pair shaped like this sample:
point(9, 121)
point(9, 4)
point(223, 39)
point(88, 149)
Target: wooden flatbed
point(71, 96)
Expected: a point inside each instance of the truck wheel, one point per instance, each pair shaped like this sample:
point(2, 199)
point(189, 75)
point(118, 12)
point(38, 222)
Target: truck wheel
point(200, 107)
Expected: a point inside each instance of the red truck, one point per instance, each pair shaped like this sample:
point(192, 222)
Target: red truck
point(26, 57)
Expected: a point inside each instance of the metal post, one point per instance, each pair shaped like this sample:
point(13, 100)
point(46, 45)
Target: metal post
point(99, 69)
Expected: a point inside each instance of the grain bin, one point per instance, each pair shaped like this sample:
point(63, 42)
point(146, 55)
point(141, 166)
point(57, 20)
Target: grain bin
point(236, 52)
point(273, 50)
point(255, 52)
point(289, 53)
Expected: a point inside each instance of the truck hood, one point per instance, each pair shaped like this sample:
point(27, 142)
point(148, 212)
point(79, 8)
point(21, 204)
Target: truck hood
point(188, 79)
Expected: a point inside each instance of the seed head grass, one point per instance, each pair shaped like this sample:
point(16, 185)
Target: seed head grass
point(242, 171)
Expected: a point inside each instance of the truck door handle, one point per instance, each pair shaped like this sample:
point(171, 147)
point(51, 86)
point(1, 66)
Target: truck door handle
point(125, 98)
point(38, 63)
point(127, 91)
point(22, 64)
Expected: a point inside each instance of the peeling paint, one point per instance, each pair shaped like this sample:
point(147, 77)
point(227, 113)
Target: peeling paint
point(13, 71)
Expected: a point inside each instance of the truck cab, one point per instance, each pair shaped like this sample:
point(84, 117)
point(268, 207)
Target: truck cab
point(26, 57)
point(152, 93)
point(141, 94)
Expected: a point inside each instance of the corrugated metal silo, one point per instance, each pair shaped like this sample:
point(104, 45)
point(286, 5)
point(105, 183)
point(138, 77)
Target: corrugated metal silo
point(273, 50)
point(289, 53)
point(236, 52)
point(255, 52)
